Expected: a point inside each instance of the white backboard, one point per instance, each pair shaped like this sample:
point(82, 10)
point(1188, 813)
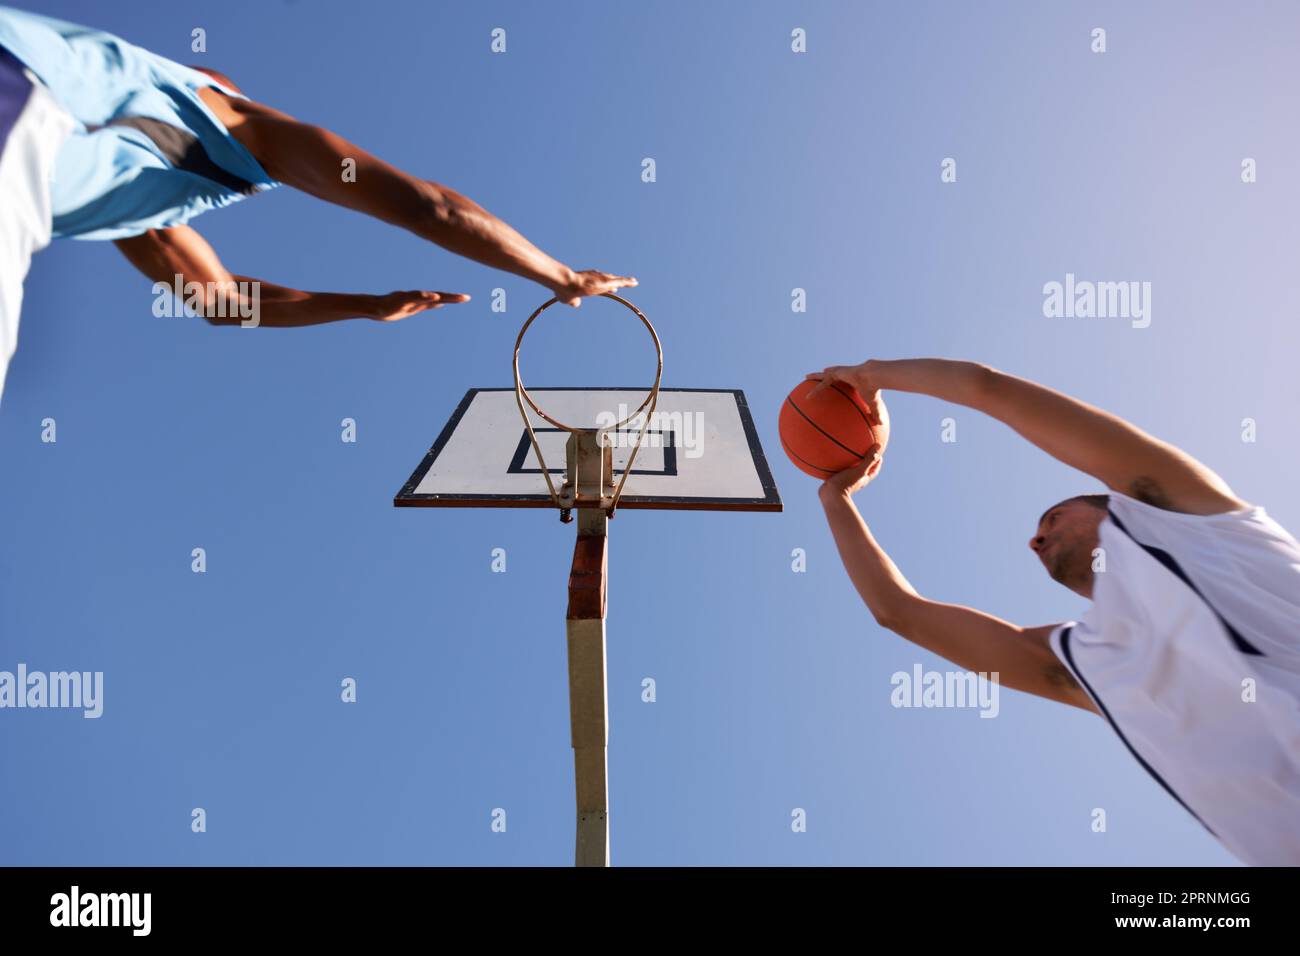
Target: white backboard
point(701, 451)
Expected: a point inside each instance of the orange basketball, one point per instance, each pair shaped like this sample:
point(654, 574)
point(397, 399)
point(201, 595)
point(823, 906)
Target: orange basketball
point(826, 432)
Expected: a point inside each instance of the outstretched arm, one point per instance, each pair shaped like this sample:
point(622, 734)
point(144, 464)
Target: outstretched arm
point(1116, 453)
point(165, 254)
point(311, 158)
point(971, 639)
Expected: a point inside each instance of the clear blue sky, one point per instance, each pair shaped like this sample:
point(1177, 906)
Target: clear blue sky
point(775, 171)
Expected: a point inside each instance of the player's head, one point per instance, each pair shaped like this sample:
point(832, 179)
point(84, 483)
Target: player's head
point(1066, 537)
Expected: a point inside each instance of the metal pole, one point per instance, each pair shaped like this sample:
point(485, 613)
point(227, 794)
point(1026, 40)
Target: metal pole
point(589, 468)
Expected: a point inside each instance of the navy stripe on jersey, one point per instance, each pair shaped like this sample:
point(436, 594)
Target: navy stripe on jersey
point(1167, 559)
point(1069, 657)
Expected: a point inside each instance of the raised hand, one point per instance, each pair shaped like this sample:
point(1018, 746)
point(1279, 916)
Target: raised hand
point(400, 305)
point(854, 479)
point(590, 282)
point(858, 378)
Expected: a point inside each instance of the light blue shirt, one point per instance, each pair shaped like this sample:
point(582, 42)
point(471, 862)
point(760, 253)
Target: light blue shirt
point(146, 153)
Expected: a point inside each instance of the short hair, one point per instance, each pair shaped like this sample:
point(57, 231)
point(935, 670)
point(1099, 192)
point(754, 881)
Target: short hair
point(1100, 502)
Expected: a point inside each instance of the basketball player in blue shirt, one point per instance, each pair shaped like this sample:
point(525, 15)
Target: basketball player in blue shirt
point(100, 139)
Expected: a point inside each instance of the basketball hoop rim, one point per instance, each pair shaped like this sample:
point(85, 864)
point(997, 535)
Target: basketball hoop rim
point(522, 391)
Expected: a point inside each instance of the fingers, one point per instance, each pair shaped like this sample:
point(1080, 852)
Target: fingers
point(866, 470)
point(875, 461)
point(850, 376)
point(418, 296)
point(423, 300)
point(872, 460)
point(856, 478)
point(859, 469)
point(617, 282)
point(873, 411)
point(594, 282)
point(825, 378)
point(400, 305)
point(591, 282)
point(859, 475)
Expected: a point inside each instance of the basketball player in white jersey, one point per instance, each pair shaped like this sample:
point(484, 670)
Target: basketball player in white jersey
point(1191, 647)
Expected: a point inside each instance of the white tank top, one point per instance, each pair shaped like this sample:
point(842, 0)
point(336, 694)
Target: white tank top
point(1191, 613)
